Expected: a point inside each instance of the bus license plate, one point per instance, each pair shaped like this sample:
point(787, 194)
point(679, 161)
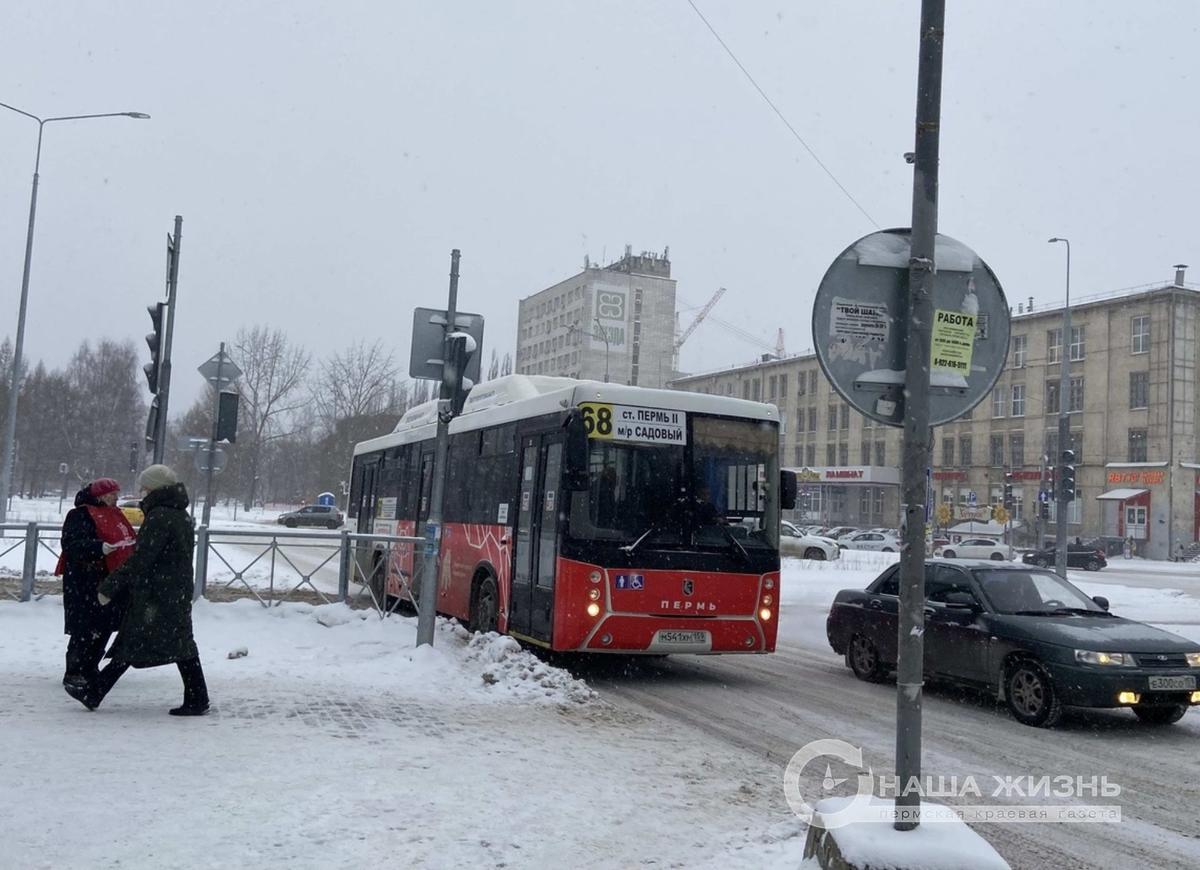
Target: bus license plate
point(1173, 683)
point(669, 637)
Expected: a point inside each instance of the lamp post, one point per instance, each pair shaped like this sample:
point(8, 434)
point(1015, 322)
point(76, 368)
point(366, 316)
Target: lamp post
point(1064, 427)
point(604, 336)
point(10, 422)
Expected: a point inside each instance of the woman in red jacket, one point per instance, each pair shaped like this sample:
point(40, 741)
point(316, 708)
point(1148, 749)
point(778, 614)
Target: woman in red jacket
point(96, 540)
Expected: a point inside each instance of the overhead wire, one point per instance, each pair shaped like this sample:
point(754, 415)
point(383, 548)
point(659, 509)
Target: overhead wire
point(786, 122)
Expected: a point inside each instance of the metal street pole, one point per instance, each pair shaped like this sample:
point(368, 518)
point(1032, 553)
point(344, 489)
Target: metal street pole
point(427, 603)
point(603, 335)
point(212, 442)
point(164, 375)
point(8, 453)
point(916, 458)
point(1064, 427)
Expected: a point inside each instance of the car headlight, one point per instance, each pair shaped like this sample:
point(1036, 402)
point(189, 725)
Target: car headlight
point(1108, 659)
point(1193, 660)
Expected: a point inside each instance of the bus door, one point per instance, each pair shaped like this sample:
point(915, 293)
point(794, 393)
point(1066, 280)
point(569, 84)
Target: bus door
point(531, 610)
point(366, 496)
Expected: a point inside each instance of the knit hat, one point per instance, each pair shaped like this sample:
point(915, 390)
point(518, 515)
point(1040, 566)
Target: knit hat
point(156, 477)
point(103, 486)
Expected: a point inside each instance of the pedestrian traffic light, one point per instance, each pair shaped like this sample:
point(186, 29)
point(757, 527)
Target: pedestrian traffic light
point(460, 347)
point(1067, 477)
point(1008, 491)
point(155, 341)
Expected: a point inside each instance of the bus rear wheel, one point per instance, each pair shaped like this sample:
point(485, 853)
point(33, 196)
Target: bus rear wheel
point(485, 610)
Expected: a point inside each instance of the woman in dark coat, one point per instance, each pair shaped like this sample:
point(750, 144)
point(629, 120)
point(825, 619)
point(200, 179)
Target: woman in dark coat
point(96, 539)
point(154, 591)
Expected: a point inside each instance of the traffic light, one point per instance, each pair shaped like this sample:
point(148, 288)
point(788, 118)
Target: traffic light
point(1009, 502)
point(455, 384)
point(1066, 480)
point(155, 341)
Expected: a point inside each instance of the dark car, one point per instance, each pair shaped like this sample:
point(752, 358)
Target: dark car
point(323, 515)
point(1027, 636)
point(1086, 556)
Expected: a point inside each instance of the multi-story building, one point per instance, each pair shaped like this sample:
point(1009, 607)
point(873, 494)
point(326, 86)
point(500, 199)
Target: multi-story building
point(612, 323)
point(1133, 399)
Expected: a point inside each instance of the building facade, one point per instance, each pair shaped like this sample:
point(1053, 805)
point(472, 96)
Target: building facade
point(1132, 399)
point(612, 323)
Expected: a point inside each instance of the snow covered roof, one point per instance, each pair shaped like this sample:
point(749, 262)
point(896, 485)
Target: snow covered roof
point(518, 397)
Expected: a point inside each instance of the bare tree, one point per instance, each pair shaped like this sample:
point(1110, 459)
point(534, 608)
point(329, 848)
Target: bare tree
point(506, 366)
point(355, 383)
point(493, 371)
point(273, 372)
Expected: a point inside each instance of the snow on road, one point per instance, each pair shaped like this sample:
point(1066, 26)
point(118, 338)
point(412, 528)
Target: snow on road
point(336, 743)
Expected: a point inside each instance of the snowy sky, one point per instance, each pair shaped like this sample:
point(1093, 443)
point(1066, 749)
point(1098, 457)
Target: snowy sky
point(327, 156)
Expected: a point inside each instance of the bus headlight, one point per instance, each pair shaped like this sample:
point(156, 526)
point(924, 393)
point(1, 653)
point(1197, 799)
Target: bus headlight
point(593, 609)
point(769, 583)
point(765, 614)
point(594, 594)
point(595, 577)
point(767, 599)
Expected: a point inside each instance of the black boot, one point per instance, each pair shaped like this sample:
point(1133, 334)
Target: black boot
point(195, 690)
point(83, 694)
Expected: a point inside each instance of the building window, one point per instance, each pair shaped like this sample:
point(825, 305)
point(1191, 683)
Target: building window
point(833, 412)
point(1137, 445)
point(1140, 334)
point(880, 453)
point(745, 389)
point(800, 384)
point(997, 445)
point(964, 449)
point(844, 453)
point(812, 381)
point(1016, 448)
point(799, 455)
point(756, 389)
point(878, 500)
point(812, 418)
point(1018, 400)
point(810, 455)
point(864, 502)
point(772, 383)
point(1139, 390)
point(1054, 345)
point(1078, 348)
point(783, 379)
point(864, 453)
point(1075, 395)
point(815, 499)
point(1020, 349)
point(947, 452)
point(1052, 403)
point(800, 420)
point(831, 454)
point(845, 416)
point(998, 402)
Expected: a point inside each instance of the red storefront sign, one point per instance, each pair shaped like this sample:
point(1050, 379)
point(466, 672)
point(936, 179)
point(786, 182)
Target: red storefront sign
point(1145, 478)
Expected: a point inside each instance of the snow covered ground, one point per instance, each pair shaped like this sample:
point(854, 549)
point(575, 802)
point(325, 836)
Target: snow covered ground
point(335, 743)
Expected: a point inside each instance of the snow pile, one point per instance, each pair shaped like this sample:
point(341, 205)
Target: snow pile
point(507, 667)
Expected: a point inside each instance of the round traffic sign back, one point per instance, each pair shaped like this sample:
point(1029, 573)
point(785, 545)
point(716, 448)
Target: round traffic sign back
point(861, 327)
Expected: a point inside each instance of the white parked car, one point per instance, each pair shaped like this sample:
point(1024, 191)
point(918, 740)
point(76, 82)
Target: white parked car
point(870, 541)
point(794, 542)
point(977, 548)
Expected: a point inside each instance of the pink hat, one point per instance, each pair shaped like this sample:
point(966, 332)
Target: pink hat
point(103, 486)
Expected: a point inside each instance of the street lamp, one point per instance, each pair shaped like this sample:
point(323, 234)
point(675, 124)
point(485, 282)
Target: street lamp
point(10, 422)
point(1064, 426)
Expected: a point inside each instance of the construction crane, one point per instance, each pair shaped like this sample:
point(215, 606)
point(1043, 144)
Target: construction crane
point(681, 337)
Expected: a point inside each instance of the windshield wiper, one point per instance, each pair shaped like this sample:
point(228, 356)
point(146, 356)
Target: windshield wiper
point(1059, 611)
point(629, 548)
point(733, 540)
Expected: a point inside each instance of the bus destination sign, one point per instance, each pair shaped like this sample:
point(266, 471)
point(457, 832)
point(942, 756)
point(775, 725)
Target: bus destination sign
point(634, 423)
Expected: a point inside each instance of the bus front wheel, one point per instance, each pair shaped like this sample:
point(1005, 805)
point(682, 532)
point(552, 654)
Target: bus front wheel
point(485, 612)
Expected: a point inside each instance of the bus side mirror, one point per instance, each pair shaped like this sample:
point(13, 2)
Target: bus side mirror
point(787, 489)
point(576, 472)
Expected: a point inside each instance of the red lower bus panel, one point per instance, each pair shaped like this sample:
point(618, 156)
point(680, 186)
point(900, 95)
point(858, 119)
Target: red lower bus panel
point(635, 605)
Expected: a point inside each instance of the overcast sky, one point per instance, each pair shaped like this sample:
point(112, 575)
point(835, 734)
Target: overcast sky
point(327, 156)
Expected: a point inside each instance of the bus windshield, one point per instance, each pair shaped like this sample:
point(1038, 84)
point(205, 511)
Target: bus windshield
point(711, 492)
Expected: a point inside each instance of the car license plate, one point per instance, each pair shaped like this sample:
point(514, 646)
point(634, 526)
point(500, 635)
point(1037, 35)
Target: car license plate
point(1168, 684)
point(683, 638)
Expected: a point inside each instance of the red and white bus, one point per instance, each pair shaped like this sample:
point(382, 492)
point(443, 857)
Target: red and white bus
point(589, 516)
